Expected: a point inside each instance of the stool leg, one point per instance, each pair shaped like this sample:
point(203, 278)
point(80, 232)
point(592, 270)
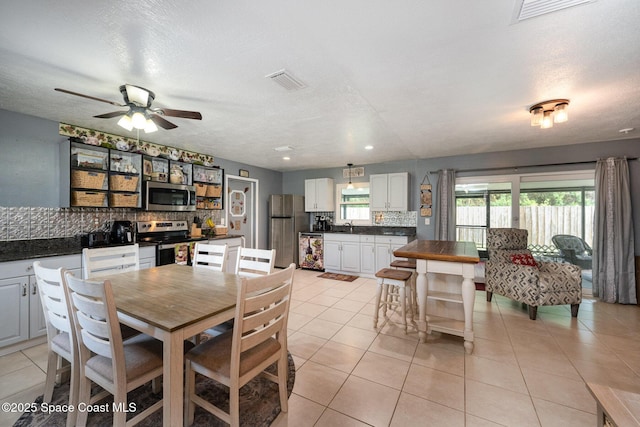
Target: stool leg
point(377, 307)
point(403, 306)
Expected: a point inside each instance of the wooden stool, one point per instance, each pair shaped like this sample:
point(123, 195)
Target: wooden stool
point(400, 281)
point(409, 265)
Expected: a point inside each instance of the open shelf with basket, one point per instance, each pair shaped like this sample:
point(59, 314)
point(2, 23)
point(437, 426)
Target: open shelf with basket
point(209, 187)
point(102, 177)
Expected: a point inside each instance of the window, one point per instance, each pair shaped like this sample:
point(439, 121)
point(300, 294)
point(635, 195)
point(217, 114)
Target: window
point(543, 204)
point(352, 205)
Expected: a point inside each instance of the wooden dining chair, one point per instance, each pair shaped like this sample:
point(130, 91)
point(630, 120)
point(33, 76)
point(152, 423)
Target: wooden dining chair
point(255, 262)
point(97, 262)
point(116, 366)
point(257, 340)
point(210, 256)
point(61, 336)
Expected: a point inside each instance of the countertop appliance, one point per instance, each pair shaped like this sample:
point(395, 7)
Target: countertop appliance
point(122, 232)
point(160, 196)
point(172, 237)
point(287, 220)
point(312, 251)
point(322, 223)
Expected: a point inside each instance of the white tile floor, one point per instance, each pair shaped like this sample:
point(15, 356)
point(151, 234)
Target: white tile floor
point(521, 372)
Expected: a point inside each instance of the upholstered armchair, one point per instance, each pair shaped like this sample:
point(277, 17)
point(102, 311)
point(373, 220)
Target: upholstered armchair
point(512, 272)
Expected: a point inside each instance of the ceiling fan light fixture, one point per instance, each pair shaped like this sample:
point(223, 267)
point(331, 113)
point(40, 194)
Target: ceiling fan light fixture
point(150, 126)
point(138, 120)
point(138, 95)
point(126, 122)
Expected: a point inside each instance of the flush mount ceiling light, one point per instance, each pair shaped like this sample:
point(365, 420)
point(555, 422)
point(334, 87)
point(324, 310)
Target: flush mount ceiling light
point(545, 114)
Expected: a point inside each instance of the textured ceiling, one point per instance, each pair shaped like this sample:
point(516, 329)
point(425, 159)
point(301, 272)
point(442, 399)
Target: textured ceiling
point(414, 79)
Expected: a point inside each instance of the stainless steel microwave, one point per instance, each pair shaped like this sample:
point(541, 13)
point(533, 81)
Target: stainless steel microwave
point(161, 196)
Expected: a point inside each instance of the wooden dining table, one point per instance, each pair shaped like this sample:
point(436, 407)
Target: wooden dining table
point(173, 303)
point(444, 286)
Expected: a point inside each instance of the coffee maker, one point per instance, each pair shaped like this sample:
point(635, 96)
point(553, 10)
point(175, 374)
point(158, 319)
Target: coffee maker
point(322, 223)
point(122, 232)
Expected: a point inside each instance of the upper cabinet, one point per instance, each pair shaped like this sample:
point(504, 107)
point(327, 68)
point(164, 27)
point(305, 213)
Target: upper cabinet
point(389, 192)
point(209, 184)
point(101, 177)
point(318, 195)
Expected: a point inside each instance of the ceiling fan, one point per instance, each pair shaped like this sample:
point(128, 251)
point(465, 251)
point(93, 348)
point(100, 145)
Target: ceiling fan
point(140, 114)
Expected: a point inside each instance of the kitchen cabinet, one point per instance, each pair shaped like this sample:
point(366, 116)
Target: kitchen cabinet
point(21, 315)
point(342, 252)
point(101, 177)
point(384, 247)
point(209, 187)
point(147, 257)
point(318, 195)
point(180, 173)
point(234, 243)
point(389, 192)
point(360, 253)
point(367, 255)
point(155, 169)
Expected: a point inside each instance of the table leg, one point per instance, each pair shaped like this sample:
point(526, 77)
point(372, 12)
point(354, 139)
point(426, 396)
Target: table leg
point(468, 301)
point(421, 291)
point(172, 385)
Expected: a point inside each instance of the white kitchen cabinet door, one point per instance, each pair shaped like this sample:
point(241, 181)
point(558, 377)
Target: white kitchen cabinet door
point(389, 192)
point(318, 195)
point(367, 256)
point(331, 255)
point(147, 257)
point(14, 310)
point(350, 256)
point(383, 255)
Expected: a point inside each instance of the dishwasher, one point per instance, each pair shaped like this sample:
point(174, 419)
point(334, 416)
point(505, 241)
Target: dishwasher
point(311, 251)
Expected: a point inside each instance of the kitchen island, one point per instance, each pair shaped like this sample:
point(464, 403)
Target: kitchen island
point(445, 301)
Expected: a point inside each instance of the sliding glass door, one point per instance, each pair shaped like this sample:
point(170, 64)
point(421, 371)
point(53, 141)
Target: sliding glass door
point(543, 204)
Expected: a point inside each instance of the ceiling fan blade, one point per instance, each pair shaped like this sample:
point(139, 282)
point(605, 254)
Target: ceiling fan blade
point(110, 115)
point(163, 123)
point(179, 113)
point(90, 97)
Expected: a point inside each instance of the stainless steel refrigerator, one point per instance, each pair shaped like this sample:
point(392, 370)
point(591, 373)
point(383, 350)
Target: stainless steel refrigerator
point(287, 218)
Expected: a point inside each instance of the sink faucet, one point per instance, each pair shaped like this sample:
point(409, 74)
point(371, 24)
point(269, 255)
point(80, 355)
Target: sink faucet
point(350, 226)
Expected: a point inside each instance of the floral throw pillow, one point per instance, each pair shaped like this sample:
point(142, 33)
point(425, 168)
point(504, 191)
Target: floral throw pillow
point(524, 259)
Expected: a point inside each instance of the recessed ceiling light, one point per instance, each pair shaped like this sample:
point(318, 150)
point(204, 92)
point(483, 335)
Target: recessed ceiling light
point(286, 158)
point(284, 148)
point(368, 147)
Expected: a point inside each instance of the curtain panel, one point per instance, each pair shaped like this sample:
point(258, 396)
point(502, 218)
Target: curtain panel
point(613, 242)
point(446, 205)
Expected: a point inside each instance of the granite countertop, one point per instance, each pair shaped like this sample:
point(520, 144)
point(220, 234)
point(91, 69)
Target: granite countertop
point(374, 230)
point(39, 248)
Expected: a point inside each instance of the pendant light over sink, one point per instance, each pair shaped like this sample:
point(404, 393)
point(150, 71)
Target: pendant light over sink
point(350, 186)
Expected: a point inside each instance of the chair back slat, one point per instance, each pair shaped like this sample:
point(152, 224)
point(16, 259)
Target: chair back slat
point(265, 299)
point(117, 259)
point(263, 317)
point(55, 301)
point(255, 262)
point(210, 256)
point(258, 336)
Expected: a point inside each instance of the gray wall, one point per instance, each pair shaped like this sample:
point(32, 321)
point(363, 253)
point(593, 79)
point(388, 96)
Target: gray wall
point(29, 173)
point(293, 182)
point(30, 167)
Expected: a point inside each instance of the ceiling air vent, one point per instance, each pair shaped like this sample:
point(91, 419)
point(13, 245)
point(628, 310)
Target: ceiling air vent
point(285, 79)
point(526, 9)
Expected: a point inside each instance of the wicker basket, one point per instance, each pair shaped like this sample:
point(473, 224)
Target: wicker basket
point(220, 231)
point(87, 179)
point(87, 198)
point(123, 182)
point(117, 200)
point(201, 189)
point(214, 191)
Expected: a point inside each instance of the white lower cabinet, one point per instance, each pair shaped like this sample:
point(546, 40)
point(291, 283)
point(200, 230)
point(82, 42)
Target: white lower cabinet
point(342, 252)
point(367, 255)
point(233, 247)
point(360, 253)
point(21, 315)
point(147, 257)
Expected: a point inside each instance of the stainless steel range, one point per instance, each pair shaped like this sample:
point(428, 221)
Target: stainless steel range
point(172, 239)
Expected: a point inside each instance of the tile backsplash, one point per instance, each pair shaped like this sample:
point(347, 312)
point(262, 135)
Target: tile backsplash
point(395, 219)
point(28, 223)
